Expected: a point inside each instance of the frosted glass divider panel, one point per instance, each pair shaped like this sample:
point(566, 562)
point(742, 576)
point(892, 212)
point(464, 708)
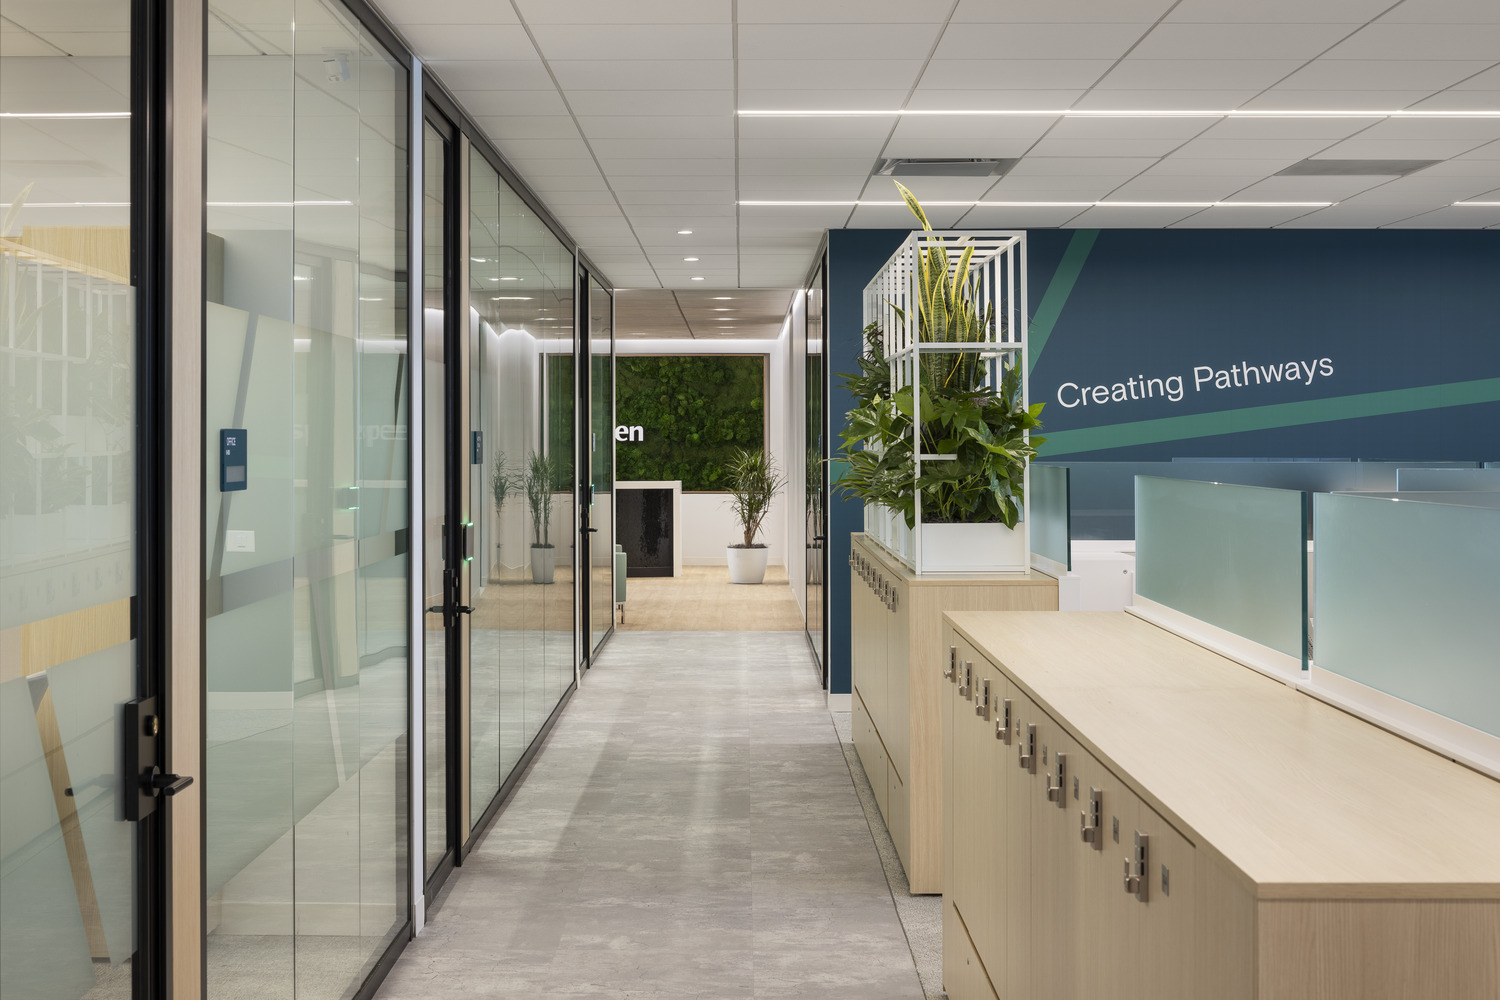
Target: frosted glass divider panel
point(1433, 480)
point(1406, 597)
point(1456, 498)
point(1233, 557)
point(1047, 501)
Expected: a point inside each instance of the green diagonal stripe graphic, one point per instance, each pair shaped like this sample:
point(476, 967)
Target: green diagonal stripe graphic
point(1056, 295)
point(1256, 418)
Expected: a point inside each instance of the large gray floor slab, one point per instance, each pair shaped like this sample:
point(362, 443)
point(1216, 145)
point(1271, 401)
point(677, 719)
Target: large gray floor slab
point(690, 829)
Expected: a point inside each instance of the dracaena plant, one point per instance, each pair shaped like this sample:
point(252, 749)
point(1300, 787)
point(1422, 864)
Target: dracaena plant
point(984, 427)
point(754, 482)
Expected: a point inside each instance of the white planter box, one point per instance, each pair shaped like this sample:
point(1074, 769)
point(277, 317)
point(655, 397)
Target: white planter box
point(974, 548)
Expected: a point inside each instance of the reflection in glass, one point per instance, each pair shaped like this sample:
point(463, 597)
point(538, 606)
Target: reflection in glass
point(816, 457)
point(521, 383)
point(602, 472)
point(67, 504)
point(306, 613)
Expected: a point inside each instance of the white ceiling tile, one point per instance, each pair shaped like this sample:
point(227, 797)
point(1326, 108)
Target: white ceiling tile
point(1239, 218)
point(453, 12)
point(1239, 41)
point(650, 166)
point(1017, 218)
point(590, 12)
point(1470, 130)
point(1277, 11)
point(785, 98)
point(900, 217)
point(1309, 188)
point(1381, 74)
point(1191, 74)
point(679, 251)
point(1059, 11)
point(1421, 41)
point(962, 146)
point(1166, 187)
point(1461, 100)
point(1056, 187)
point(1029, 127)
point(1084, 166)
point(657, 127)
point(842, 74)
point(800, 188)
point(712, 182)
point(616, 148)
point(837, 11)
point(497, 74)
point(1487, 80)
point(638, 74)
point(822, 216)
point(1180, 165)
point(690, 201)
point(859, 127)
point(487, 103)
point(471, 42)
point(1325, 129)
point(522, 149)
point(1105, 147)
point(1130, 218)
point(724, 209)
point(1021, 100)
point(1290, 150)
point(790, 148)
point(506, 127)
point(577, 166)
point(831, 41)
point(1445, 11)
point(1489, 151)
point(1129, 128)
point(651, 102)
point(1396, 149)
point(664, 41)
point(805, 166)
point(1014, 74)
point(929, 189)
point(1157, 100)
point(1080, 40)
point(1451, 218)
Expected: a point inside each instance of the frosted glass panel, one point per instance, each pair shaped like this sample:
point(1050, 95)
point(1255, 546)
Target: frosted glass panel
point(1448, 479)
point(1455, 497)
point(1048, 506)
point(1406, 598)
point(1232, 556)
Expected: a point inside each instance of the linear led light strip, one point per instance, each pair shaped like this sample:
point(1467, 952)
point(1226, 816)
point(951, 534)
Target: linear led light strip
point(212, 204)
point(1106, 113)
point(64, 115)
point(1048, 204)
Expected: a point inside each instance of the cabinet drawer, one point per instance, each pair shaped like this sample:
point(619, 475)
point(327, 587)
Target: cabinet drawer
point(964, 976)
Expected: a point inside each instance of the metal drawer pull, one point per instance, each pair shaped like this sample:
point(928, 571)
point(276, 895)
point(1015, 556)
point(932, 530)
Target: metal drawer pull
point(952, 672)
point(1091, 820)
point(982, 703)
point(1136, 881)
point(1002, 722)
point(1026, 751)
point(1058, 793)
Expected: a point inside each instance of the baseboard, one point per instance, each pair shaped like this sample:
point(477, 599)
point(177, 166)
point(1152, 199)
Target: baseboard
point(841, 703)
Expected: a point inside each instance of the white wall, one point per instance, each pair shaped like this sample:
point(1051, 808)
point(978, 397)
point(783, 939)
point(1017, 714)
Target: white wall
point(708, 525)
point(794, 337)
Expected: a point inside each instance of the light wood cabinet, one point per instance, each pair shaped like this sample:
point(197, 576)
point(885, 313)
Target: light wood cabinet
point(899, 658)
point(1248, 842)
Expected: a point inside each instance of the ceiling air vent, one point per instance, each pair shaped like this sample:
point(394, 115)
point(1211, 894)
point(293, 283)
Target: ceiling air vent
point(943, 166)
point(1355, 168)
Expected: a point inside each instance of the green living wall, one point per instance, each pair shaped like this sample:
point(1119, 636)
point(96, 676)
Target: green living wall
point(695, 411)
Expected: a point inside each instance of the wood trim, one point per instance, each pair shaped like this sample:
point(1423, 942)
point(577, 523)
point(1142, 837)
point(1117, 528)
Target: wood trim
point(184, 687)
point(37, 646)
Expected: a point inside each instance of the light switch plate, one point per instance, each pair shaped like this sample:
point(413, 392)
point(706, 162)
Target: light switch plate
point(239, 541)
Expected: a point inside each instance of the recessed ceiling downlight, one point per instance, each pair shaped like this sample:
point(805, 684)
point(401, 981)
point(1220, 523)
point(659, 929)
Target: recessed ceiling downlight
point(697, 277)
point(684, 232)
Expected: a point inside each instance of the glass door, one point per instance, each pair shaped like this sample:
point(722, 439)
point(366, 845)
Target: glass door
point(77, 627)
point(439, 672)
point(598, 512)
point(817, 473)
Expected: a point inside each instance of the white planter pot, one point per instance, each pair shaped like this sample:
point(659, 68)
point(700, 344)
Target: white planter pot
point(974, 548)
point(543, 563)
point(747, 565)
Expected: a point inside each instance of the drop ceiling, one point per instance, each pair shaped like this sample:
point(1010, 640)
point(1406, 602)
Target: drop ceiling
point(710, 314)
point(624, 116)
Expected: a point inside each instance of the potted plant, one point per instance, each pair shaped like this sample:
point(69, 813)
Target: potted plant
point(979, 420)
point(754, 482)
point(537, 481)
point(502, 481)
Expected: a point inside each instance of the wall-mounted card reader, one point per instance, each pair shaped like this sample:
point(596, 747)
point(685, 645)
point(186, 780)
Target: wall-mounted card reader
point(233, 460)
point(476, 447)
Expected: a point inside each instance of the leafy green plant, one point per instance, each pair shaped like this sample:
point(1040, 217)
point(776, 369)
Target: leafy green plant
point(502, 481)
point(754, 482)
point(984, 427)
point(537, 481)
point(697, 411)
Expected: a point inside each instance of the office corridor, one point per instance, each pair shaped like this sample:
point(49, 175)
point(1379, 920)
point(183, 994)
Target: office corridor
point(691, 830)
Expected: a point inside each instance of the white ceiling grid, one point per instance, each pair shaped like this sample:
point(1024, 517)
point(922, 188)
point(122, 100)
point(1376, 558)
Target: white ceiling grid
point(622, 115)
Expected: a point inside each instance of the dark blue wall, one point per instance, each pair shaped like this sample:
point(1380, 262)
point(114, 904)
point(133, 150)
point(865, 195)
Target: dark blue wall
point(854, 255)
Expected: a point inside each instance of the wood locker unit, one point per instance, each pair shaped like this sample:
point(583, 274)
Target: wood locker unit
point(899, 659)
point(1207, 832)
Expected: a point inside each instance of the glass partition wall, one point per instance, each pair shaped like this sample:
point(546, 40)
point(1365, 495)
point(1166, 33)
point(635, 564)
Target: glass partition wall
point(600, 447)
point(521, 450)
point(307, 572)
point(816, 525)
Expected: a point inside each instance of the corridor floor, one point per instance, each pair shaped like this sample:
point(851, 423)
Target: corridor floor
point(690, 830)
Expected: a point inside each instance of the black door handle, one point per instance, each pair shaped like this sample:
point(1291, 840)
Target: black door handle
point(168, 784)
point(591, 531)
point(464, 609)
point(435, 610)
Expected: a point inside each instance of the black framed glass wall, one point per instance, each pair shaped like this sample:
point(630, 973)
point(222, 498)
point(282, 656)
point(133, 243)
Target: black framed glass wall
point(817, 468)
point(600, 447)
point(71, 468)
point(307, 573)
point(520, 339)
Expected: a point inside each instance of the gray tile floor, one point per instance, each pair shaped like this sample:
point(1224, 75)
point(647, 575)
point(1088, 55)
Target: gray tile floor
point(690, 830)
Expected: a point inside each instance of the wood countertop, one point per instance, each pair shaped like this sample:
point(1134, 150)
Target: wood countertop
point(1302, 800)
